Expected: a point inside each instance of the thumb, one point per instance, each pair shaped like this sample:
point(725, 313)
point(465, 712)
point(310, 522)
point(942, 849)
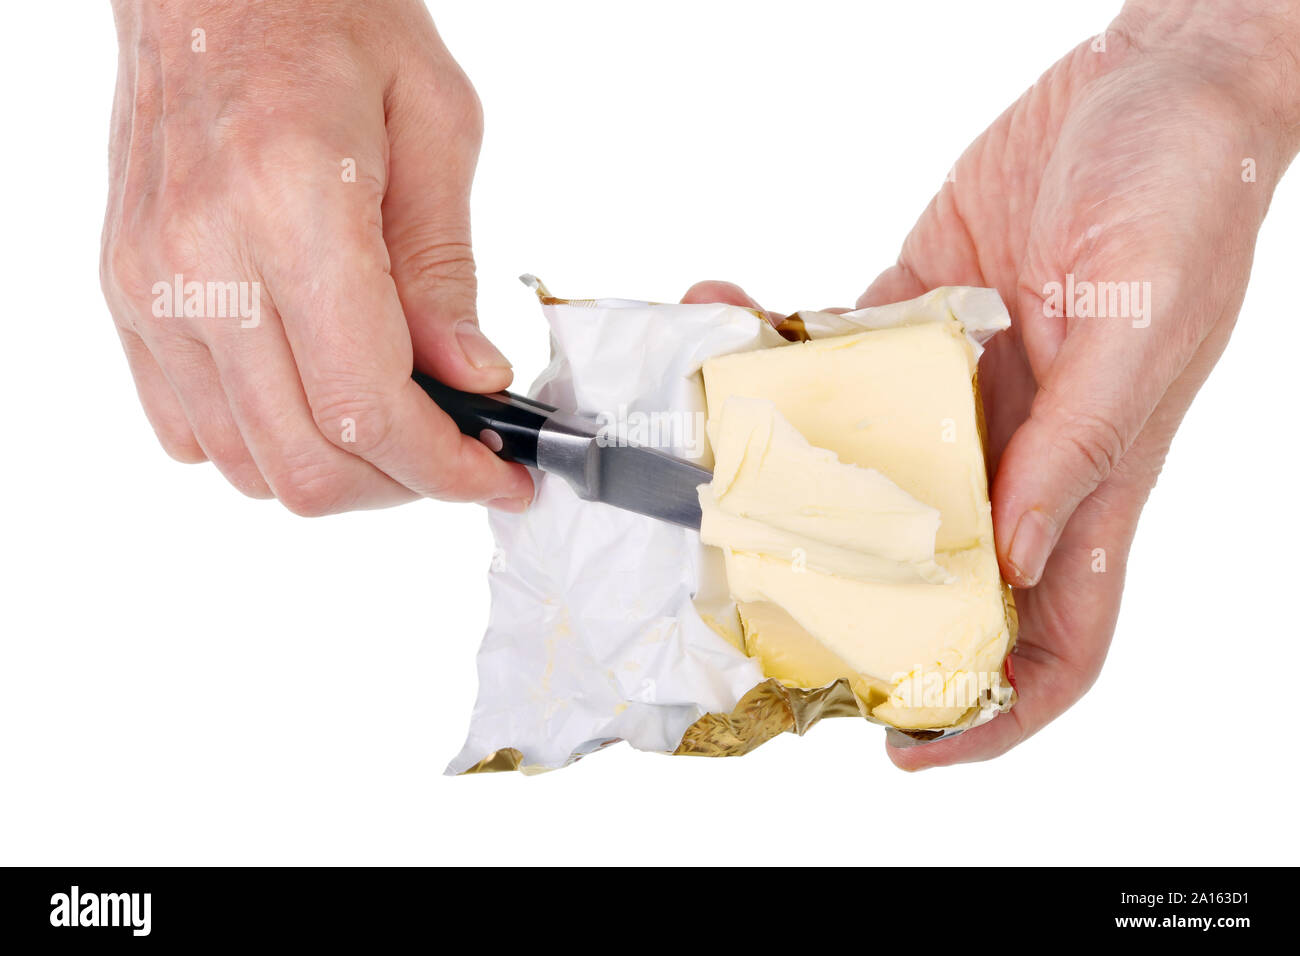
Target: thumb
point(435, 126)
point(1099, 389)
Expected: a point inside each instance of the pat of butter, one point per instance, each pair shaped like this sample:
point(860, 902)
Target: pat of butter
point(844, 520)
point(824, 500)
point(896, 400)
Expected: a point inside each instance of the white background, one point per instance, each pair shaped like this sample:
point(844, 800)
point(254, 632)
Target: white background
point(188, 676)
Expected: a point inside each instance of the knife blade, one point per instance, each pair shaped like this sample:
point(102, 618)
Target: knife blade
point(573, 447)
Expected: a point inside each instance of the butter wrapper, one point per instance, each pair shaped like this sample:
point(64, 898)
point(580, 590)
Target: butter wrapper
point(608, 626)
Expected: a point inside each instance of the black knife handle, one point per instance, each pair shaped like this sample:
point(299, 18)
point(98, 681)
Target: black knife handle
point(516, 420)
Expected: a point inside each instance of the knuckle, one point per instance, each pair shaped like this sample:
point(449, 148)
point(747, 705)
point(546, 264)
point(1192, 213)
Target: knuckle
point(469, 109)
point(244, 475)
point(180, 445)
point(276, 174)
point(226, 449)
point(293, 162)
point(255, 489)
point(460, 101)
point(431, 262)
point(450, 480)
point(289, 191)
point(356, 417)
point(310, 488)
point(456, 479)
point(436, 90)
point(274, 170)
point(1093, 440)
point(120, 271)
point(179, 239)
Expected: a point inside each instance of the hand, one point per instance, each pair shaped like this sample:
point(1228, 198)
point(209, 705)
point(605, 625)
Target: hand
point(1123, 165)
point(305, 168)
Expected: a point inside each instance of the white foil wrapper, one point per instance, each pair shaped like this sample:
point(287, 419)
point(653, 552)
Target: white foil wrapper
point(597, 631)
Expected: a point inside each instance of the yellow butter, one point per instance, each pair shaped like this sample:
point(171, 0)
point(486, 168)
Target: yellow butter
point(845, 520)
point(896, 400)
point(824, 526)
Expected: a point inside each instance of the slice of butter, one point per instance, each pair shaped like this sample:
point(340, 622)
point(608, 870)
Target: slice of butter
point(828, 562)
point(896, 400)
point(846, 520)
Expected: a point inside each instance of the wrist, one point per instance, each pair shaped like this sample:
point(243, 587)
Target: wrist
point(1249, 50)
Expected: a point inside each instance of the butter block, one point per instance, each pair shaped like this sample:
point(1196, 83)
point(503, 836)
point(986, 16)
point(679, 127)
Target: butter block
point(853, 444)
point(781, 646)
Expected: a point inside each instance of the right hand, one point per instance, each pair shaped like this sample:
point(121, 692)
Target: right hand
point(231, 164)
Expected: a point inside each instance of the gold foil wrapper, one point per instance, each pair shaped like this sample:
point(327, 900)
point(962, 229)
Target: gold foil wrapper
point(769, 709)
point(498, 760)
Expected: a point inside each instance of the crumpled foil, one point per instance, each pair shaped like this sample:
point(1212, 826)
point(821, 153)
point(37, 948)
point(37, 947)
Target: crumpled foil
point(604, 624)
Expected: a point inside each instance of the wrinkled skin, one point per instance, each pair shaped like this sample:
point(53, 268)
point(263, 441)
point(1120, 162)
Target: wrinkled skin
point(228, 165)
point(1120, 165)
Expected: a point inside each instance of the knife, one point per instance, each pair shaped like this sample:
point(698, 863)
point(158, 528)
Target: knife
point(570, 446)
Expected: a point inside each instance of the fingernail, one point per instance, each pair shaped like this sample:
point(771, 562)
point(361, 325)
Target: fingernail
point(512, 505)
point(479, 352)
point(1030, 546)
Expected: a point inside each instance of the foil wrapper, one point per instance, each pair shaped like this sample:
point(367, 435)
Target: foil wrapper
point(604, 624)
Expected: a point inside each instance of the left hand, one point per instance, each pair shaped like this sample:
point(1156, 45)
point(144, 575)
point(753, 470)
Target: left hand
point(1122, 166)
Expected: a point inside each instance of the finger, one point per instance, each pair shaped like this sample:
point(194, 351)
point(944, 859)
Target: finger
point(349, 337)
point(192, 374)
point(898, 283)
point(434, 129)
point(310, 475)
point(726, 293)
point(1093, 400)
point(714, 290)
point(161, 406)
point(941, 243)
